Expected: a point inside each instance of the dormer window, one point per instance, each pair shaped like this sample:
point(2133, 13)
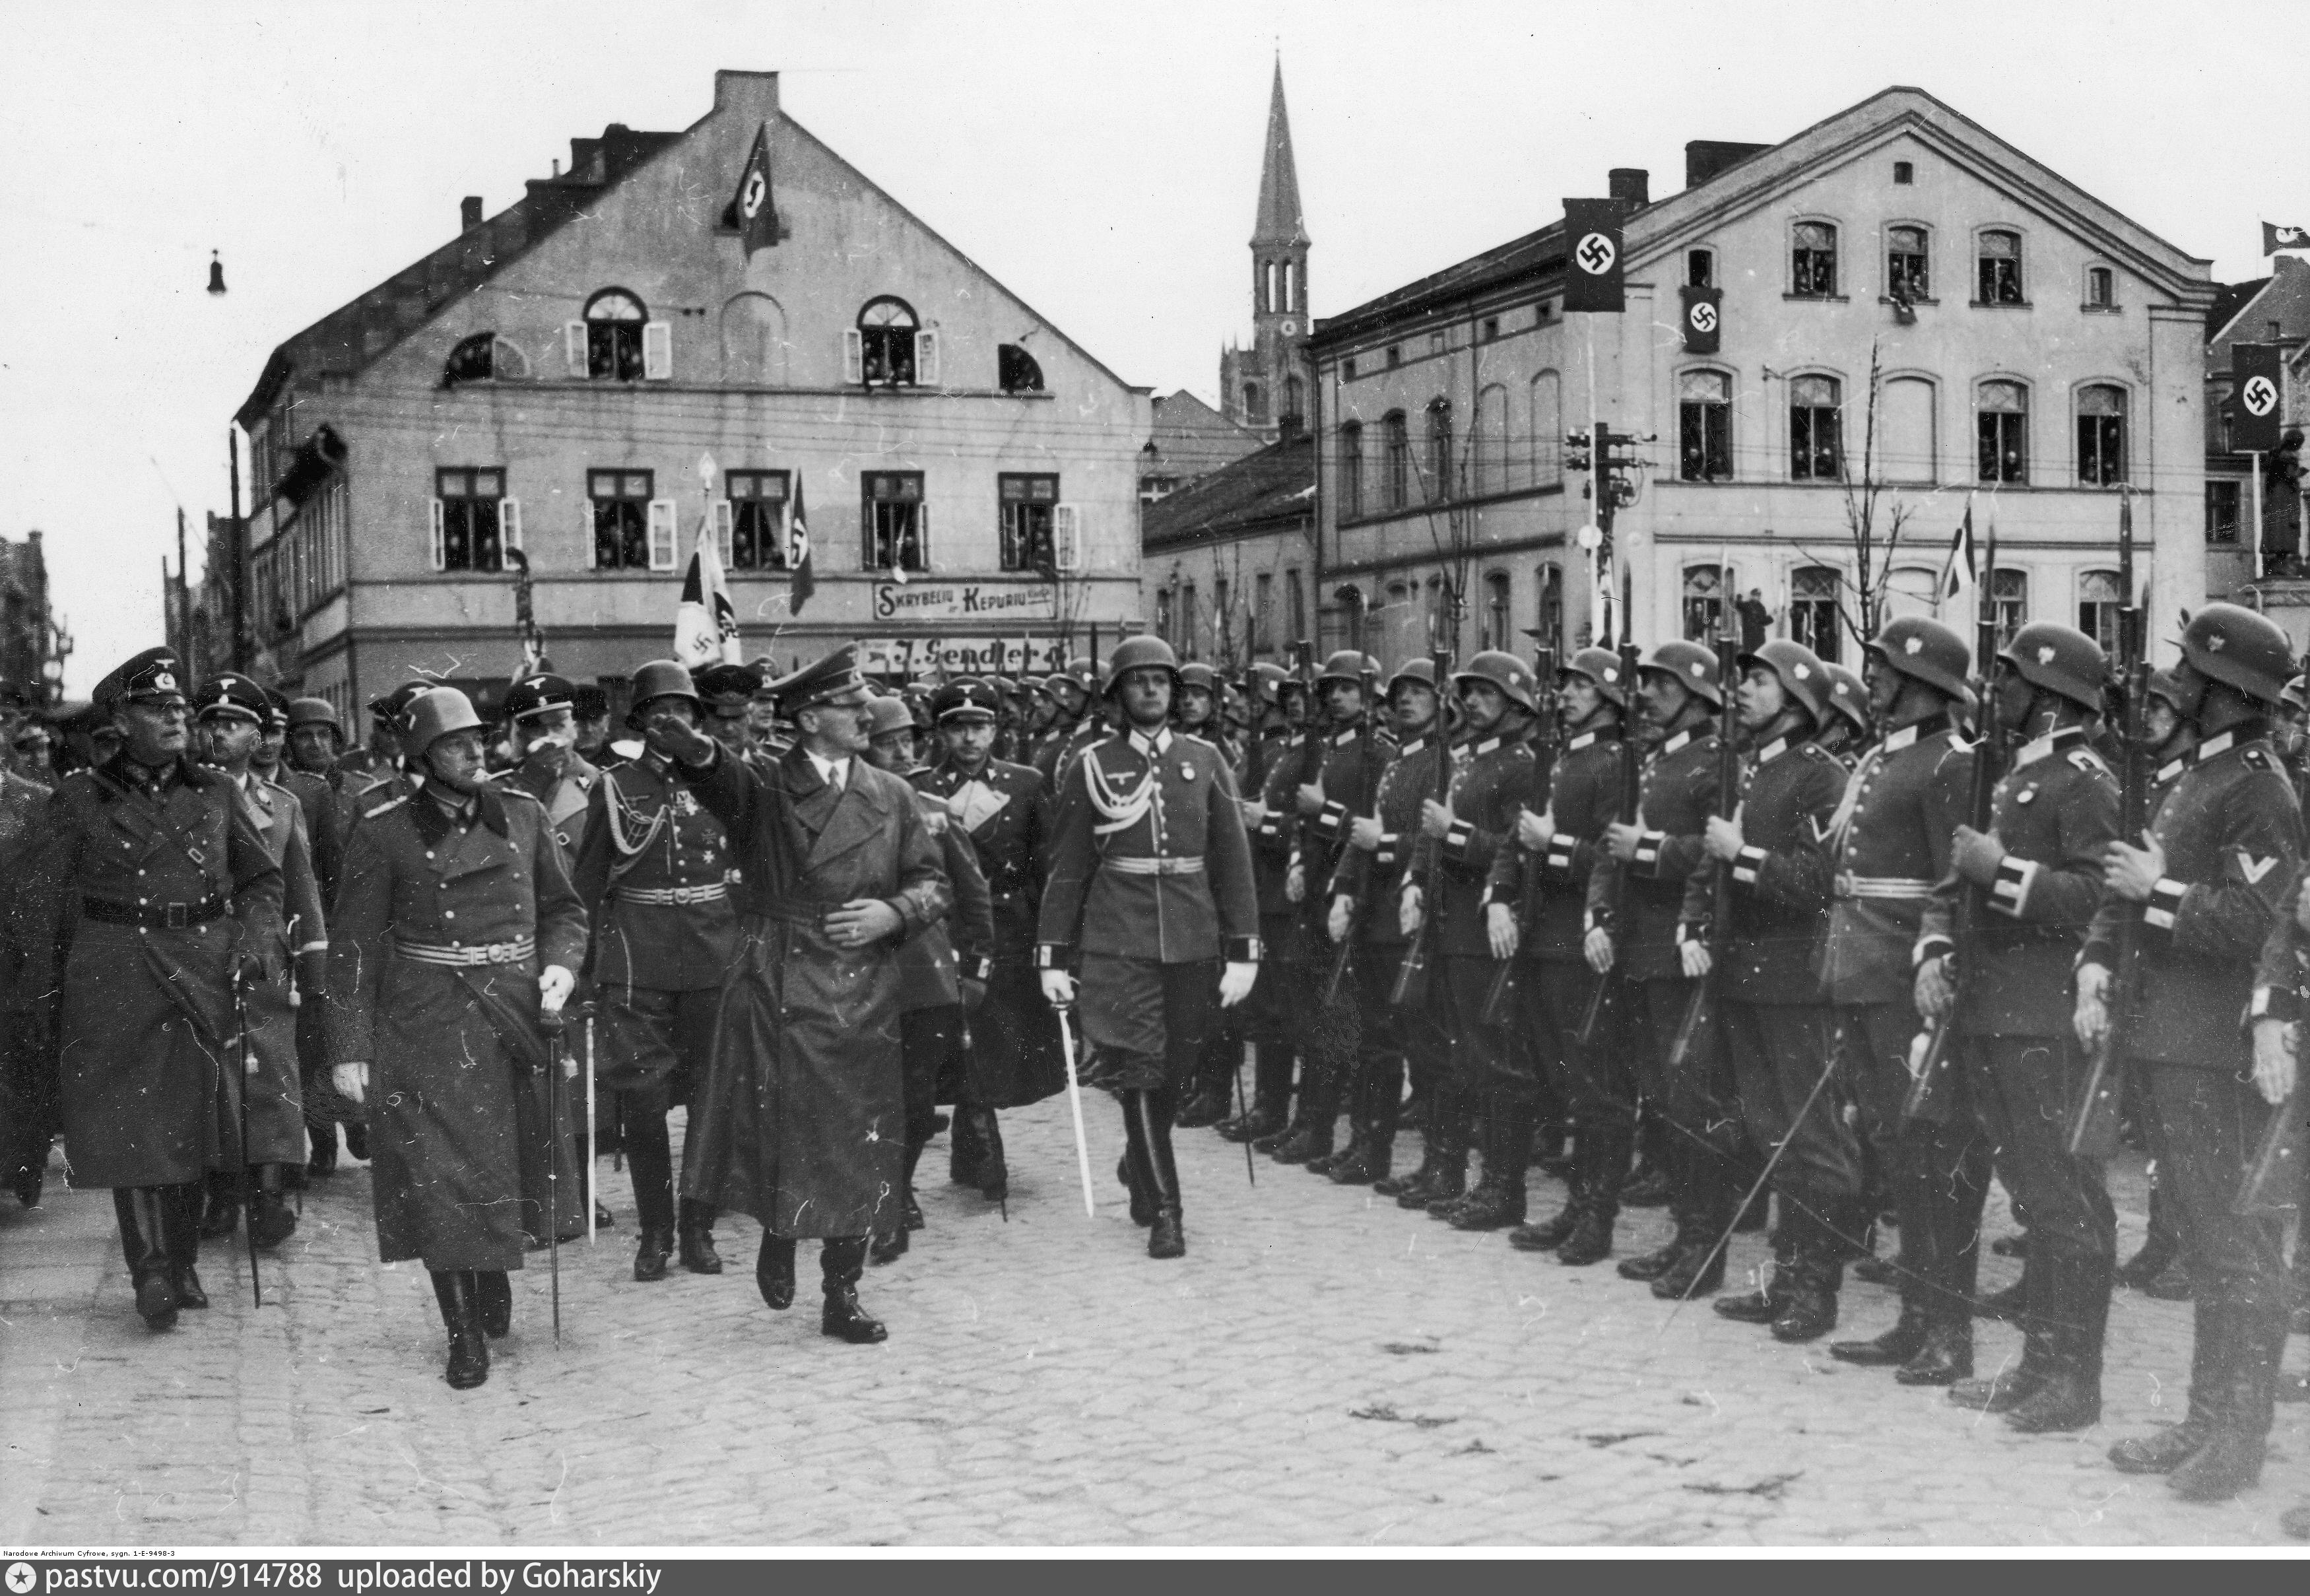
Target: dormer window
point(888, 348)
point(1016, 371)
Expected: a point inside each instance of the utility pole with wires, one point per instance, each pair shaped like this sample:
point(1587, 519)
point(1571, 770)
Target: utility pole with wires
point(1607, 458)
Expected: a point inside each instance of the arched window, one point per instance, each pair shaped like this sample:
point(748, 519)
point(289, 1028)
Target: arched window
point(1546, 429)
point(473, 360)
point(1499, 631)
point(1352, 470)
point(1813, 260)
point(1440, 483)
point(1704, 602)
point(887, 351)
point(1813, 431)
point(1909, 590)
point(1907, 441)
point(1812, 609)
point(1255, 405)
point(1908, 268)
point(1295, 399)
point(1705, 427)
point(754, 340)
point(2002, 427)
point(2000, 267)
point(614, 320)
point(1488, 469)
point(2101, 435)
point(2009, 592)
point(2099, 600)
point(1015, 370)
point(1397, 465)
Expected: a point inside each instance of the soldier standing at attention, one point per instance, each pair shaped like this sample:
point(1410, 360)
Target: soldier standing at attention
point(2038, 874)
point(655, 872)
point(146, 884)
point(801, 1123)
point(1149, 887)
point(1890, 842)
point(2214, 885)
point(456, 928)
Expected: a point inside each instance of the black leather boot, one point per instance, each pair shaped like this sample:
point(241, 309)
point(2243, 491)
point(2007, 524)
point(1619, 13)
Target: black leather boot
point(1947, 1355)
point(841, 1260)
point(1891, 1350)
point(651, 1251)
point(2071, 1296)
point(1271, 1096)
point(1554, 1231)
point(1764, 1304)
point(1809, 1310)
point(1126, 1171)
point(493, 1298)
point(271, 1220)
point(1167, 1236)
point(2210, 1355)
point(1698, 1270)
point(323, 1140)
point(144, 1220)
point(1449, 1127)
point(966, 1148)
point(2159, 1249)
point(2231, 1460)
point(1653, 1265)
point(221, 1216)
point(469, 1348)
point(1591, 1242)
point(694, 1234)
point(773, 1271)
point(1500, 1199)
point(180, 1220)
point(888, 1246)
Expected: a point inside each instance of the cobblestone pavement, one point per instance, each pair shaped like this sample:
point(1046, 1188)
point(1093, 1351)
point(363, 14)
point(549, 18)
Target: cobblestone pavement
point(1322, 1368)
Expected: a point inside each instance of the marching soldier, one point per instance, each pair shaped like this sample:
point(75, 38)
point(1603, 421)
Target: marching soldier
point(1633, 936)
point(456, 928)
point(1776, 1035)
point(942, 976)
point(655, 872)
point(1149, 887)
point(800, 1125)
point(1366, 891)
point(1891, 842)
point(292, 948)
point(2038, 873)
point(147, 884)
point(1003, 809)
point(2214, 884)
point(1554, 987)
point(1492, 770)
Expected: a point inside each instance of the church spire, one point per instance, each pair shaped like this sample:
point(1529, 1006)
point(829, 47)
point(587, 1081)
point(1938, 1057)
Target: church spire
point(1279, 220)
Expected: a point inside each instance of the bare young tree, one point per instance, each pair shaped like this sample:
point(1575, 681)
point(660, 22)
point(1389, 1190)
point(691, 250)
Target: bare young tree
point(1875, 516)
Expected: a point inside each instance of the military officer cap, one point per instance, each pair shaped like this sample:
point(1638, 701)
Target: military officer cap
point(886, 716)
point(311, 712)
point(918, 709)
point(152, 677)
point(1144, 651)
point(230, 695)
point(1346, 665)
point(766, 673)
point(1688, 663)
point(1501, 670)
point(1419, 671)
point(1925, 650)
point(1848, 696)
point(727, 687)
point(1199, 675)
point(1800, 672)
point(832, 681)
point(540, 695)
point(590, 702)
point(966, 699)
point(1603, 667)
point(435, 715)
point(276, 709)
point(2060, 659)
point(2232, 645)
point(393, 708)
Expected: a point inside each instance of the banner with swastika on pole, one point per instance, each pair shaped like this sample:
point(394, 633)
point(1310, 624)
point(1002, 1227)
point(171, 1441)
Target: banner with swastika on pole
point(2254, 410)
point(1591, 256)
point(1704, 319)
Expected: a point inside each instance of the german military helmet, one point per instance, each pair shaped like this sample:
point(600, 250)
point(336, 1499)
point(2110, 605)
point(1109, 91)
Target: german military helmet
point(1264, 680)
point(1346, 665)
point(1849, 695)
point(661, 679)
point(2164, 684)
point(1199, 675)
point(1419, 671)
point(1689, 665)
point(886, 716)
point(2297, 693)
point(1136, 652)
point(393, 707)
point(1603, 667)
point(2232, 645)
point(311, 712)
point(2060, 659)
point(434, 715)
point(1799, 670)
point(1925, 650)
point(1501, 670)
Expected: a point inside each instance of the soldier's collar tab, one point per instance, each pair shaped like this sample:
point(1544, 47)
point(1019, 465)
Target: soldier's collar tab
point(1771, 751)
point(1584, 740)
point(1486, 746)
point(1680, 741)
point(2058, 740)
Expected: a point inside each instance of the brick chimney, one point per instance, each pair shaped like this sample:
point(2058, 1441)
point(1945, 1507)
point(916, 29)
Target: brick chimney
point(469, 213)
point(1629, 185)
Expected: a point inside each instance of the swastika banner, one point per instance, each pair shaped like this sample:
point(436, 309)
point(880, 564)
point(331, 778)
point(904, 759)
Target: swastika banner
point(1704, 319)
point(1591, 256)
point(2256, 415)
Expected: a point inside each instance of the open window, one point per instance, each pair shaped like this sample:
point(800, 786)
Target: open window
point(889, 348)
point(617, 342)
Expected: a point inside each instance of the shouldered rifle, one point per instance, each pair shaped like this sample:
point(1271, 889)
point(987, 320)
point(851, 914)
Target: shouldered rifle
point(1411, 990)
point(2094, 1132)
point(1632, 790)
point(1546, 736)
point(2273, 1181)
point(1701, 1012)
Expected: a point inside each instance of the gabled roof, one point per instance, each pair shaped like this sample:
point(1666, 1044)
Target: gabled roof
point(1190, 438)
point(2283, 297)
point(1278, 219)
point(2234, 298)
point(1278, 483)
point(350, 337)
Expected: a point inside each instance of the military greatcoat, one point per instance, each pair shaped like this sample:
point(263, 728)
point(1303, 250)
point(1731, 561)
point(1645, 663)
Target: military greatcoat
point(276, 1103)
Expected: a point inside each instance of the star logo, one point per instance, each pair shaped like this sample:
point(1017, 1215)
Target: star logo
point(22, 1578)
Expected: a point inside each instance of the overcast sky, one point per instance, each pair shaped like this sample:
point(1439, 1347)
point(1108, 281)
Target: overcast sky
point(1101, 160)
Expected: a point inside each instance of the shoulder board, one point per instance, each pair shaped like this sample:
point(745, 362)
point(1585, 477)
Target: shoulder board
point(1816, 753)
point(385, 808)
point(523, 793)
point(2085, 759)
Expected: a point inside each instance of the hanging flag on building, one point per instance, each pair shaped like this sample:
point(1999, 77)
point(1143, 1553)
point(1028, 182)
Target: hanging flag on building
point(2275, 238)
point(706, 622)
point(805, 580)
point(1958, 575)
point(758, 220)
point(1591, 256)
point(2254, 410)
point(1704, 319)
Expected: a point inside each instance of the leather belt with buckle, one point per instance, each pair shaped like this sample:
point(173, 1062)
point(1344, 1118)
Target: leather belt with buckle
point(468, 958)
point(153, 917)
point(710, 892)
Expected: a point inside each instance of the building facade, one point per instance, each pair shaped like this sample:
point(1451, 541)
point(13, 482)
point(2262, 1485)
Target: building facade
point(1230, 561)
point(1914, 317)
point(33, 647)
point(529, 428)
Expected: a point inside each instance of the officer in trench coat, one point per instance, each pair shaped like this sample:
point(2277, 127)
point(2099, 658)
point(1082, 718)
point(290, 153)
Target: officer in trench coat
point(456, 924)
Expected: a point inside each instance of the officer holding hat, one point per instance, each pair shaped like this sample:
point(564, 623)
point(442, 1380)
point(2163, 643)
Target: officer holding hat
point(146, 889)
point(543, 713)
point(456, 926)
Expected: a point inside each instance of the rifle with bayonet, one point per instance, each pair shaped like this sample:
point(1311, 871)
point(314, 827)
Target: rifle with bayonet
point(2094, 1132)
point(1632, 789)
point(1981, 814)
point(1545, 738)
point(1699, 1021)
point(1411, 989)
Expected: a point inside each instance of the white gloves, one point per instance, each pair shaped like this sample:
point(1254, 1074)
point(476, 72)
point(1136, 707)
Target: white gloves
point(1235, 983)
point(1058, 989)
point(2092, 1016)
point(554, 985)
point(352, 1081)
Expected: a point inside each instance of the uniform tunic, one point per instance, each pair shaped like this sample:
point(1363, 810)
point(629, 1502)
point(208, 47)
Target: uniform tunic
point(1491, 776)
point(276, 1102)
point(800, 1121)
point(460, 1158)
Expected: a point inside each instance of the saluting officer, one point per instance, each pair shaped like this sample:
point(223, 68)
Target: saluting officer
point(1003, 809)
point(1633, 933)
point(2214, 887)
point(146, 889)
point(1559, 846)
point(800, 1125)
point(655, 872)
point(1776, 1030)
point(2037, 872)
point(1491, 773)
point(292, 948)
point(1149, 888)
point(1891, 840)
